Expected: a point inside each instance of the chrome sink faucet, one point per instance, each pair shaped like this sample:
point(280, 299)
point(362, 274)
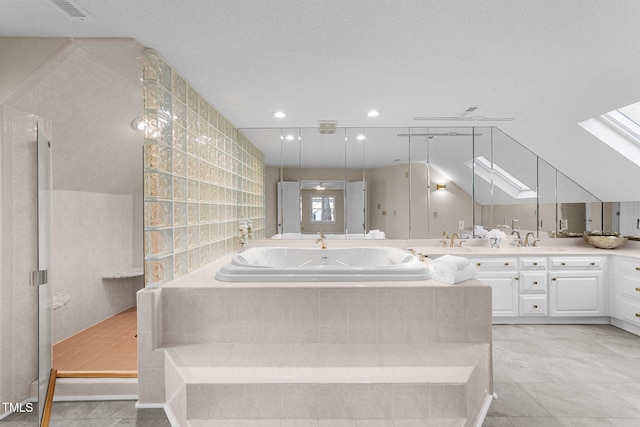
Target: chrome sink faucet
point(322, 239)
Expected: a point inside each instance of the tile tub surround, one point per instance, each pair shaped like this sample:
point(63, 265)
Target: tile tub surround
point(322, 337)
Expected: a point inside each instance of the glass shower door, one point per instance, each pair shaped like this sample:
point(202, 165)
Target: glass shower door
point(41, 277)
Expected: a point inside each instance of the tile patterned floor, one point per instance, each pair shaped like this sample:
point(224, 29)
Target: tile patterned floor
point(93, 414)
point(545, 376)
point(565, 376)
point(110, 345)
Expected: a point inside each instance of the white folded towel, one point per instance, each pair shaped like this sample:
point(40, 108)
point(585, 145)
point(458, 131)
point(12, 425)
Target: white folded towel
point(375, 234)
point(449, 276)
point(453, 262)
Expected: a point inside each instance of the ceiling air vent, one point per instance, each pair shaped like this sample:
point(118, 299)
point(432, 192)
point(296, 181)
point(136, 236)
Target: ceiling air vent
point(327, 127)
point(72, 9)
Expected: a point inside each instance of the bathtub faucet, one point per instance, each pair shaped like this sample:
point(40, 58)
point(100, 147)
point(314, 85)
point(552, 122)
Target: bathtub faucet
point(322, 240)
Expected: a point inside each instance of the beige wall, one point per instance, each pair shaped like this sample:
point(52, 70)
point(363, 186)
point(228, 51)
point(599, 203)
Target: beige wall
point(20, 58)
point(389, 200)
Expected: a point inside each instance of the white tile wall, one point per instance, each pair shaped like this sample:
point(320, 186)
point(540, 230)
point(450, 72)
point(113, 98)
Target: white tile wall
point(92, 238)
point(18, 300)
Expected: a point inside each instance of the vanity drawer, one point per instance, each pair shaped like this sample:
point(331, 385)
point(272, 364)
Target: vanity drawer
point(630, 283)
point(533, 305)
point(533, 263)
point(533, 282)
point(631, 312)
point(630, 265)
point(496, 264)
point(576, 262)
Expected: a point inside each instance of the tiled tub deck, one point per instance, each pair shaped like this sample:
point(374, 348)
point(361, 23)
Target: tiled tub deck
point(417, 351)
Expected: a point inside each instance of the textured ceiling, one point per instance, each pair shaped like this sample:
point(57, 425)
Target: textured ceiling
point(548, 63)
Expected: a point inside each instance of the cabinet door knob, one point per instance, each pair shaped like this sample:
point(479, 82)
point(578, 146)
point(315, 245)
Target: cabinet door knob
point(478, 264)
point(535, 263)
point(535, 283)
point(535, 306)
point(506, 263)
point(637, 268)
point(638, 289)
point(593, 263)
point(554, 279)
point(563, 263)
point(637, 314)
point(516, 278)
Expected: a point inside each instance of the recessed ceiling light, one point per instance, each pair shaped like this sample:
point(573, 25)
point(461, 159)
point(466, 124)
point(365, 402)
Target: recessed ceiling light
point(279, 115)
point(373, 113)
point(290, 137)
point(360, 137)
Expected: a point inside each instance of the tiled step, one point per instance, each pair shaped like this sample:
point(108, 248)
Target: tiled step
point(323, 381)
point(450, 422)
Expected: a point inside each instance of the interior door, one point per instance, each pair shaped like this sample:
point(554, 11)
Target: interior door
point(40, 277)
point(289, 207)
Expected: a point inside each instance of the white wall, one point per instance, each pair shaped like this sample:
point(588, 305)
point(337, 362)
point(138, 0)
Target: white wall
point(92, 237)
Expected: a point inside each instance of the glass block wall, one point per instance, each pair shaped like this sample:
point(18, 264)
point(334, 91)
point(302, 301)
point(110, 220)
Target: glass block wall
point(202, 178)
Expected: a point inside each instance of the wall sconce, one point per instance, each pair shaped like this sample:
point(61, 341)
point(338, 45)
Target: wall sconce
point(138, 123)
point(441, 187)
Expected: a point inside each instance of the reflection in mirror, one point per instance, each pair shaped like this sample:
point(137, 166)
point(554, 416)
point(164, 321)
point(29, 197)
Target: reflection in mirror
point(271, 146)
point(482, 181)
point(387, 170)
point(547, 220)
point(356, 200)
point(400, 183)
point(450, 152)
point(513, 171)
point(322, 170)
point(420, 191)
point(577, 209)
point(289, 198)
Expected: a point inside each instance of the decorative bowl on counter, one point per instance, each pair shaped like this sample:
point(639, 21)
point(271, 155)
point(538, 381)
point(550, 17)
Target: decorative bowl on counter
point(604, 239)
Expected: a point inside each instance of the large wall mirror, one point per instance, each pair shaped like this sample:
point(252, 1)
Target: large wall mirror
point(415, 183)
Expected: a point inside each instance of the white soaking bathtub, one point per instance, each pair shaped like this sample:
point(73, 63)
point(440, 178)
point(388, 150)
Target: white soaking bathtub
point(274, 264)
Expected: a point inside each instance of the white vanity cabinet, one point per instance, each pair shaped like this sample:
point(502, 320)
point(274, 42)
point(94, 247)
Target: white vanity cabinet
point(533, 299)
point(502, 275)
point(576, 286)
point(626, 291)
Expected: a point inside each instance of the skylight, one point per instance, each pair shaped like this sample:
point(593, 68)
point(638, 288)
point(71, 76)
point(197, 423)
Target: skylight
point(619, 129)
point(632, 112)
point(502, 179)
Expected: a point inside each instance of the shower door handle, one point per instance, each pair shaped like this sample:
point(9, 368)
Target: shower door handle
point(39, 277)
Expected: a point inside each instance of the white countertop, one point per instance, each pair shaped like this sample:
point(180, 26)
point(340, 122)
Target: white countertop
point(205, 276)
point(546, 247)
